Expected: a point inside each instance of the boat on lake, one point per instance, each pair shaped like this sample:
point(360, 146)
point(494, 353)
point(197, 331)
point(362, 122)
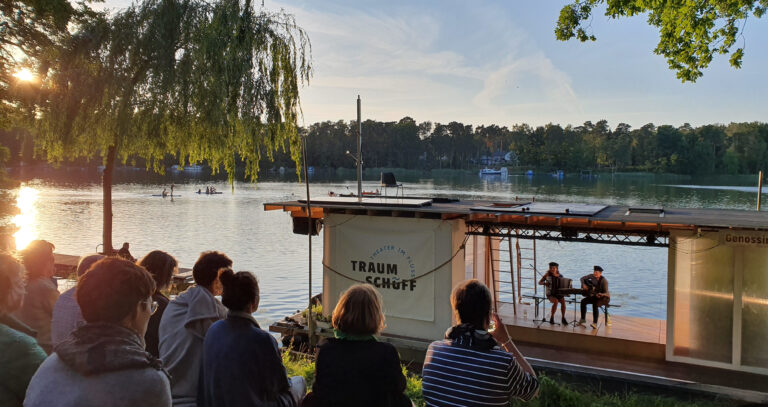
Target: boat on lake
point(502, 172)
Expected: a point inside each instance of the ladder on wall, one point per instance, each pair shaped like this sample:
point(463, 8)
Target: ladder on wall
point(527, 274)
point(502, 271)
point(513, 269)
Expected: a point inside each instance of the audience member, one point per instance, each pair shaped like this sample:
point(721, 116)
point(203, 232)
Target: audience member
point(41, 296)
point(237, 347)
point(20, 355)
point(354, 369)
point(186, 321)
point(162, 266)
point(125, 252)
point(469, 367)
point(103, 363)
point(66, 313)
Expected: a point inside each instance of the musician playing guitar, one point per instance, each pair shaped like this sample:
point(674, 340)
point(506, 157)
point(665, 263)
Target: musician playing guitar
point(550, 280)
point(596, 292)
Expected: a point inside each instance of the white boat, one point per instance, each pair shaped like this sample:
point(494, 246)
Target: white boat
point(491, 172)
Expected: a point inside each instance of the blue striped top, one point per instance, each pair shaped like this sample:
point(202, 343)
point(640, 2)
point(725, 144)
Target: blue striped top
point(458, 376)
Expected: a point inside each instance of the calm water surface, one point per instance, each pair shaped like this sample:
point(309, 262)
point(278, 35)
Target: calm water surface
point(65, 207)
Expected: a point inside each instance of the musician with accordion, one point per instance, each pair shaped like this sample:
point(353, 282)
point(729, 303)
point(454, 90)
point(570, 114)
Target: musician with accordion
point(596, 292)
point(553, 280)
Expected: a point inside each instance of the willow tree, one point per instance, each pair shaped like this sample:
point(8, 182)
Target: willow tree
point(691, 32)
point(201, 81)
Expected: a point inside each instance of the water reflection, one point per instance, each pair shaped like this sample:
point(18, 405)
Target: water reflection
point(25, 220)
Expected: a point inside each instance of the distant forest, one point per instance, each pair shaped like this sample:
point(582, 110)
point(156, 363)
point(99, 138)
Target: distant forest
point(711, 149)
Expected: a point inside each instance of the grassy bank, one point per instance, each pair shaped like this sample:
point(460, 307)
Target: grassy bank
point(551, 394)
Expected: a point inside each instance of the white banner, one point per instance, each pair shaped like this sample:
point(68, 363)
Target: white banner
point(391, 254)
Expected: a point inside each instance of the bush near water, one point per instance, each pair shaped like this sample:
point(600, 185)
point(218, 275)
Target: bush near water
point(551, 394)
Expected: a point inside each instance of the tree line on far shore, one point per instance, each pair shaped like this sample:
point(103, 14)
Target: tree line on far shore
point(736, 148)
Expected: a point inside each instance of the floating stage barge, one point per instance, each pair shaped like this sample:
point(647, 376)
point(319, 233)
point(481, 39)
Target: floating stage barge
point(415, 250)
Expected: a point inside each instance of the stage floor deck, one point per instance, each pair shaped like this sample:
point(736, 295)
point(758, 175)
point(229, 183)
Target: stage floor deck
point(622, 327)
point(629, 344)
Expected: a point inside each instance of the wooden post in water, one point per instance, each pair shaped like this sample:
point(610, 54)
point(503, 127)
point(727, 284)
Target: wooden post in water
point(310, 229)
point(759, 188)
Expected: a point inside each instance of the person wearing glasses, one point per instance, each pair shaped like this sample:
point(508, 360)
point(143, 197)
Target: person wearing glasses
point(103, 363)
point(162, 266)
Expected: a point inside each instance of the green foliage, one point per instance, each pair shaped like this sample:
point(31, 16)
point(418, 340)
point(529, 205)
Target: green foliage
point(215, 81)
point(27, 28)
point(709, 149)
point(413, 388)
point(691, 32)
point(317, 313)
point(299, 365)
point(551, 394)
point(554, 394)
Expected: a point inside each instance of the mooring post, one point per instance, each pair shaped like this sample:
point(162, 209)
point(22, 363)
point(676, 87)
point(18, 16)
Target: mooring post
point(759, 188)
point(310, 229)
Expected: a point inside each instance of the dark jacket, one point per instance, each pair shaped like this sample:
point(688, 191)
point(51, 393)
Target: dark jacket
point(152, 337)
point(600, 285)
point(358, 373)
point(242, 366)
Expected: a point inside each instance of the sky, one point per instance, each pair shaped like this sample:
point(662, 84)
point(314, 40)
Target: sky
point(498, 62)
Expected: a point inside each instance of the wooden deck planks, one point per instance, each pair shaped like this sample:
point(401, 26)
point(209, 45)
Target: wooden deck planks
point(622, 327)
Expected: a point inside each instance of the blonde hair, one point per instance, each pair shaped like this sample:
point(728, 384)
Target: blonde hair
point(11, 283)
point(359, 311)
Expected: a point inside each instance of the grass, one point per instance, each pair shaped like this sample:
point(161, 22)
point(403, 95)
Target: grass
point(551, 392)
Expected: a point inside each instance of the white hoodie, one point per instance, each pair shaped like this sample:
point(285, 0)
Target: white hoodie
point(182, 329)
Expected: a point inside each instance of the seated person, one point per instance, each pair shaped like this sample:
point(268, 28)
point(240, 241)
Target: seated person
point(596, 287)
point(66, 313)
point(162, 266)
point(474, 367)
point(354, 369)
point(42, 293)
point(186, 321)
point(103, 363)
point(125, 252)
point(547, 280)
point(237, 348)
point(20, 355)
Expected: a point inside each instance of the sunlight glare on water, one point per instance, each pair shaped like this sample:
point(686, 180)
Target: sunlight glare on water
point(25, 220)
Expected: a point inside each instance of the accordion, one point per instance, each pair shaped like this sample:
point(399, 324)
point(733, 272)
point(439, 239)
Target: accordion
point(555, 285)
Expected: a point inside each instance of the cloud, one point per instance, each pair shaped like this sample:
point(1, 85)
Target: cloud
point(425, 62)
point(526, 81)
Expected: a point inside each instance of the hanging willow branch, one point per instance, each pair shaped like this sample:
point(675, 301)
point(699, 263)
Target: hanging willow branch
point(202, 81)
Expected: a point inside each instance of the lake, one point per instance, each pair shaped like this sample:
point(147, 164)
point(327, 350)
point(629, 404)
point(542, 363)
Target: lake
point(64, 206)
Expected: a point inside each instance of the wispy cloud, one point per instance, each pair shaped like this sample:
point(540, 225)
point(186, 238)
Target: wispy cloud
point(411, 61)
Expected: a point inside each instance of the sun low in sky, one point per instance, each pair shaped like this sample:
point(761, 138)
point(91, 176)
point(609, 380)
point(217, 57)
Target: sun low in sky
point(25, 75)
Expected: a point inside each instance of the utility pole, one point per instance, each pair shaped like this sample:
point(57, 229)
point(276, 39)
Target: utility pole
point(359, 154)
point(759, 189)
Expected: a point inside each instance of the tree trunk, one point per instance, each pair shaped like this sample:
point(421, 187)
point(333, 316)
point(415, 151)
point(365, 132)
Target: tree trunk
point(106, 184)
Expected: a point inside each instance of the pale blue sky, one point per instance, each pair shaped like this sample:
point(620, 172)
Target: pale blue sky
point(498, 62)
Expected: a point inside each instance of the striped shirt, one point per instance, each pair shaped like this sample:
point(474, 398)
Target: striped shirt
point(458, 376)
